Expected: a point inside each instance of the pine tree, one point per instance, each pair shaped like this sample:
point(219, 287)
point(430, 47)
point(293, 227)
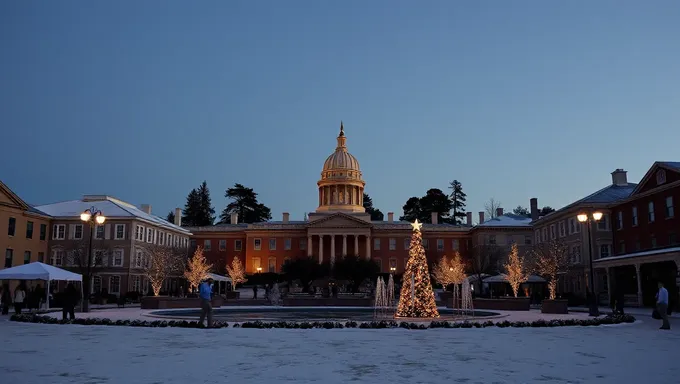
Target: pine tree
point(236, 272)
point(191, 209)
point(245, 204)
point(198, 211)
point(458, 198)
point(515, 269)
point(171, 217)
point(417, 297)
point(197, 268)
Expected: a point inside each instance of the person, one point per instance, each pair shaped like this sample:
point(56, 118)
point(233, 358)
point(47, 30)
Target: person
point(6, 299)
point(662, 306)
point(70, 299)
point(19, 298)
point(254, 291)
point(205, 295)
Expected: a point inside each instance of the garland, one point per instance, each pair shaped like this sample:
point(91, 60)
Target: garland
point(607, 320)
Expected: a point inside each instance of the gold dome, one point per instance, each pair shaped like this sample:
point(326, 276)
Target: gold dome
point(341, 164)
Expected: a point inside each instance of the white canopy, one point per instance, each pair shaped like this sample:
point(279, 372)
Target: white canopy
point(502, 278)
point(38, 271)
point(217, 277)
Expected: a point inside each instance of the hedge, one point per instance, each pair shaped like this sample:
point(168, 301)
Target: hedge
point(610, 319)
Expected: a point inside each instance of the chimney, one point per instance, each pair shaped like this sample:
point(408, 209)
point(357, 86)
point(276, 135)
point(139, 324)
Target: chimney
point(390, 217)
point(234, 218)
point(146, 208)
point(434, 217)
point(499, 212)
point(286, 217)
point(178, 217)
point(533, 203)
point(481, 217)
point(469, 219)
point(619, 178)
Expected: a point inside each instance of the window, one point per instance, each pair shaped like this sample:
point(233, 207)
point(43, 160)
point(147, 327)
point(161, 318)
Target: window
point(27, 257)
point(138, 259)
point(393, 264)
point(619, 220)
point(41, 257)
point(58, 257)
point(537, 234)
point(223, 245)
point(272, 244)
point(29, 229)
point(238, 245)
point(96, 284)
point(605, 250)
point(9, 255)
point(426, 244)
point(258, 244)
point(376, 244)
point(11, 230)
point(635, 217)
point(672, 238)
point(527, 240)
point(149, 235)
point(303, 244)
point(120, 232)
point(650, 212)
point(393, 244)
point(136, 283)
point(378, 261)
point(492, 239)
point(622, 247)
point(553, 234)
point(78, 231)
point(563, 229)
point(43, 231)
point(652, 239)
point(440, 245)
point(99, 257)
point(637, 244)
point(670, 211)
point(572, 226)
point(256, 264)
point(407, 244)
point(99, 232)
point(139, 233)
point(161, 237)
point(455, 244)
point(193, 243)
point(287, 244)
point(577, 253)
point(117, 258)
point(603, 224)
point(207, 245)
point(272, 265)
point(114, 285)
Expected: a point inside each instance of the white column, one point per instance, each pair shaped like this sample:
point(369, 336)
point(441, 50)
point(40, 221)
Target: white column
point(332, 249)
point(639, 284)
point(356, 245)
point(609, 286)
point(320, 249)
point(368, 247)
point(344, 245)
point(309, 245)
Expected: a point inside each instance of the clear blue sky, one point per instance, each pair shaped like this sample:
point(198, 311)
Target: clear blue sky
point(145, 100)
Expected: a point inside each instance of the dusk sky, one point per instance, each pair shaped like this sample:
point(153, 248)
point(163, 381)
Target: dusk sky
point(145, 100)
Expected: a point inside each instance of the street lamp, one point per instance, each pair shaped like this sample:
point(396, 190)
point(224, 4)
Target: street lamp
point(393, 269)
point(259, 269)
point(93, 217)
point(584, 218)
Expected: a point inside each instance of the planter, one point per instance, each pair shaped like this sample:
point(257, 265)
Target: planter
point(504, 304)
point(555, 306)
point(327, 302)
point(166, 302)
point(233, 295)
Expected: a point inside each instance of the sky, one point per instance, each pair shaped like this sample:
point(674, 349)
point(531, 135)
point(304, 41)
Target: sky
point(145, 100)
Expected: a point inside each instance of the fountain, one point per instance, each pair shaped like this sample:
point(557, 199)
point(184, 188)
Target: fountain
point(466, 306)
point(391, 300)
point(380, 303)
point(275, 295)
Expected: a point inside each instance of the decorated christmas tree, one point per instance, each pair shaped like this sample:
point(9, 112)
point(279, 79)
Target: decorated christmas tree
point(417, 297)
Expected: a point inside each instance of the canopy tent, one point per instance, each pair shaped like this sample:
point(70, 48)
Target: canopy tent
point(217, 277)
point(39, 271)
point(503, 278)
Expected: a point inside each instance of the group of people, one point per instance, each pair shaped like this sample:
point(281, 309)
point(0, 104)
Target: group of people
point(22, 299)
point(9, 298)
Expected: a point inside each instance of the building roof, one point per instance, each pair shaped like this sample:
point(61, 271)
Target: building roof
point(109, 206)
point(507, 220)
point(671, 164)
point(301, 224)
point(19, 201)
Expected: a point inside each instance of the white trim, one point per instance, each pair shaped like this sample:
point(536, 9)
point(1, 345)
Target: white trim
point(55, 231)
point(120, 280)
point(255, 246)
point(115, 232)
point(75, 231)
point(122, 257)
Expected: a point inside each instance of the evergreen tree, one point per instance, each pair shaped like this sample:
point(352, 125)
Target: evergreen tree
point(421, 208)
point(546, 210)
point(171, 217)
point(191, 210)
point(245, 204)
point(521, 211)
point(417, 297)
point(375, 213)
point(412, 210)
point(458, 198)
point(198, 210)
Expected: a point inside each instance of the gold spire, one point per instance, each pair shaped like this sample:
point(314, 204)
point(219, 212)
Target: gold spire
point(341, 139)
point(342, 129)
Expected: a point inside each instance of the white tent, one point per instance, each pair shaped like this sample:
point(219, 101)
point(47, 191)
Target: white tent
point(39, 271)
point(217, 277)
point(503, 278)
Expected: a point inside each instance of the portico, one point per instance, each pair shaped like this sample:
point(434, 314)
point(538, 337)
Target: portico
point(338, 234)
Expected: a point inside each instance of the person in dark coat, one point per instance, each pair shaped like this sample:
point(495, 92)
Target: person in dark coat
point(70, 300)
point(5, 299)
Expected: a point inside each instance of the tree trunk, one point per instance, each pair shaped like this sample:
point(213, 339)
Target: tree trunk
point(85, 304)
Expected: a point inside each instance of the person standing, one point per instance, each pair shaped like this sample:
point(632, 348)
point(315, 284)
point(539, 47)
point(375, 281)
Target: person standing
point(662, 306)
point(5, 299)
point(19, 298)
point(205, 296)
point(70, 301)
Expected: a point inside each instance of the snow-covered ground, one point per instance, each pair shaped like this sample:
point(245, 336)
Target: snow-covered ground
point(631, 353)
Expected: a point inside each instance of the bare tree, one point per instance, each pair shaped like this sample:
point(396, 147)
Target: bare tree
point(484, 260)
point(551, 259)
point(236, 272)
point(162, 263)
point(197, 268)
point(491, 208)
point(78, 258)
point(515, 269)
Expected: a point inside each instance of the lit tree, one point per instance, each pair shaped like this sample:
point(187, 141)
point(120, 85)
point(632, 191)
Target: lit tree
point(515, 269)
point(442, 272)
point(163, 262)
point(458, 269)
point(236, 272)
point(417, 297)
point(197, 268)
point(550, 260)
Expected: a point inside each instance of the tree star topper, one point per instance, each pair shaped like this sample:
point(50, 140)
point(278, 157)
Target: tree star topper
point(416, 225)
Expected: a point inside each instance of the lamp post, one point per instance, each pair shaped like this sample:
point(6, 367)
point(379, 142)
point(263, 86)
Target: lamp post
point(259, 269)
point(584, 218)
point(93, 217)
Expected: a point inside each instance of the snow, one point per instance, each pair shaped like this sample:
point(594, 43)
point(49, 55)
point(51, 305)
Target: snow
point(39, 353)
point(507, 220)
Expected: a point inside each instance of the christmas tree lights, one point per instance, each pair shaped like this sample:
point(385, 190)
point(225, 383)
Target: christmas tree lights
point(417, 297)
